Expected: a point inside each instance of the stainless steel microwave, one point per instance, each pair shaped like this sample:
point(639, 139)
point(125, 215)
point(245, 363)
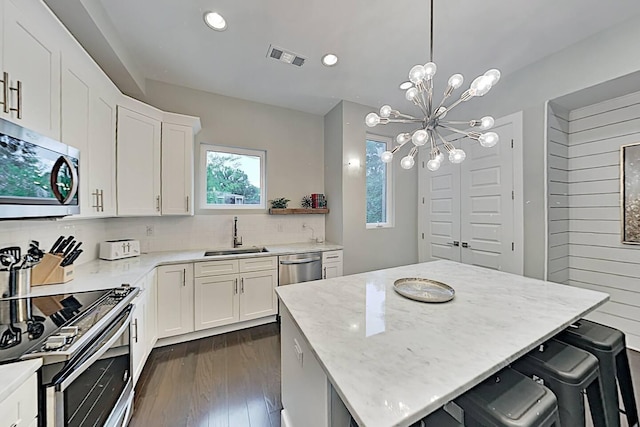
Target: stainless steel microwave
point(38, 175)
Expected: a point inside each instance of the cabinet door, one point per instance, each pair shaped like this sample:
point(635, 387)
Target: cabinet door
point(102, 152)
point(177, 169)
point(151, 321)
point(31, 57)
point(333, 269)
point(216, 301)
point(138, 160)
point(138, 339)
point(175, 300)
point(257, 294)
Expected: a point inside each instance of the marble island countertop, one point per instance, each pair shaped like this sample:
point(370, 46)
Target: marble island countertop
point(101, 274)
point(393, 360)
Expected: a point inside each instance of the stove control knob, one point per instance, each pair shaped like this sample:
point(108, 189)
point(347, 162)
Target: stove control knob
point(69, 332)
point(55, 342)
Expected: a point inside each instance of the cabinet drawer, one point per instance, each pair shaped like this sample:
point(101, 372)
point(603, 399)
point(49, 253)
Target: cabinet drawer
point(258, 264)
point(22, 404)
point(331, 256)
point(214, 268)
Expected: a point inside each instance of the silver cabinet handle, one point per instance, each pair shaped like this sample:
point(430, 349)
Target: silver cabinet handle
point(101, 201)
point(242, 285)
point(158, 203)
point(324, 275)
point(97, 196)
point(187, 203)
point(466, 245)
point(301, 261)
point(14, 425)
point(236, 287)
point(5, 92)
point(333, 257)
point(18, 89)
point(454, 243)
point(184, 277)
point(135, 329)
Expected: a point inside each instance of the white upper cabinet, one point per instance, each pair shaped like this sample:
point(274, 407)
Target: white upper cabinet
point(177, 169)
point(31, 61)
point(138, 164)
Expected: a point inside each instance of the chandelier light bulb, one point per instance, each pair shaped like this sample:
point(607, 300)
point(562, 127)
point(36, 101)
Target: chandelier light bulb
point(372, 119)
point(481, 85)
point(489, 139)
point(407, 162)
point(433, 165)
point(456, 81)
point(441, 112)
point(420, 137)
point(430, 69)
point(440, 157)
point(486, 123)
point(386, 157)
point(403, 138)
point(405, 85)
point(494, 75)
point(385, 111)
point(417, 74)
point(411, 94)
point(457, 156)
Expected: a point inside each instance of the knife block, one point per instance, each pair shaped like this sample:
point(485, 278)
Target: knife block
point(49, 272)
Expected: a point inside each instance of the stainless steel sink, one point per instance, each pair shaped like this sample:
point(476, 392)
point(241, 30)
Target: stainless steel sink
point(236, 251)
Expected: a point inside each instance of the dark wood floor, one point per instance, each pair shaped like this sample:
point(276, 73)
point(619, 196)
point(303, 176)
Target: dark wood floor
point(230, 380)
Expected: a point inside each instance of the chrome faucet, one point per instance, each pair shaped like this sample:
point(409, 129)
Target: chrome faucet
point(236, 240)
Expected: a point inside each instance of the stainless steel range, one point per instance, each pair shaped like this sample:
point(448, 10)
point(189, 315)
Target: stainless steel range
point(83, 339)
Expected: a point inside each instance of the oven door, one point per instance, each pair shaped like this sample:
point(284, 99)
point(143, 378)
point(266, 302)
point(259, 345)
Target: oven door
point(95, 387)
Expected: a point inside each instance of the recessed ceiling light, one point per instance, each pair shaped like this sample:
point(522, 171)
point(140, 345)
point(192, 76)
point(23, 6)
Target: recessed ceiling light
point(329, 60)
point(405, 85)
point(215, 21)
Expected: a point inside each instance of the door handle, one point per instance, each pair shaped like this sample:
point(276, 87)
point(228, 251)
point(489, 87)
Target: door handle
point(454, 243)
point(18, 89)
point(5, 92)
point(300, 261)
point(324, 273)
point(97, 196)
point(242, 285)
point(158, 203)
point(466, 245)
point(184, 277)
point(71, 187)
point(135, 328)
point(236, 287)
point(101, 200)
point(187, 203)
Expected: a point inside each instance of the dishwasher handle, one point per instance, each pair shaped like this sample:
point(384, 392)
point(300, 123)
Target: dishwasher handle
point(301, 261)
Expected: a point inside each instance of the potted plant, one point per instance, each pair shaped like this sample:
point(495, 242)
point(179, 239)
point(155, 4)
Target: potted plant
point(280, 203)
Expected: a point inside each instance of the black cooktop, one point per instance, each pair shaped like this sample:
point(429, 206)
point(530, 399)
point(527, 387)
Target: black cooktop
point(48, 314)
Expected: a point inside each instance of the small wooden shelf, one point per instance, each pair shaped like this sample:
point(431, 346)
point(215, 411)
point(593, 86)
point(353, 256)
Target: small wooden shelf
point(295, 211)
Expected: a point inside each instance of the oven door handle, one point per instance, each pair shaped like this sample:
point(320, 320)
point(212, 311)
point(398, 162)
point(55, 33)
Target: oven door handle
point(108, 338)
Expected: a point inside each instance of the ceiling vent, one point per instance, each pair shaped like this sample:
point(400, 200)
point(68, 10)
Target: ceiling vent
point(285, 56)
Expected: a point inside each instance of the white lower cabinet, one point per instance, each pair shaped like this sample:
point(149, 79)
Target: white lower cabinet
point(20, 409)
point(175, 300)
point(332, 265)
point(151, 313)
point(240, 294)
point(138, 340)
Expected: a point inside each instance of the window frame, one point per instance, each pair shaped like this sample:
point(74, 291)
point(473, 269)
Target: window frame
point(202, 197)
point(390, 198)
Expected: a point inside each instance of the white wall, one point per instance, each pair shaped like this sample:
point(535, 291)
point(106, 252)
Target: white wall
point(592, 61)
point(596, 257)
point(369, 249)
point(333, 128)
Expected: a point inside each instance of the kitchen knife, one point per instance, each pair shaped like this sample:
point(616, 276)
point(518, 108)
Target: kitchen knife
point(71, 258)
point(69, 248)
point(55, 245)
point(63, 245)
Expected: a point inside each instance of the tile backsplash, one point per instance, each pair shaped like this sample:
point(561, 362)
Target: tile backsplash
point(166, 233)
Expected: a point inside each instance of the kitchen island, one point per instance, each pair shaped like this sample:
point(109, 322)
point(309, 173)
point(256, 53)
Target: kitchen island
point(353, 344)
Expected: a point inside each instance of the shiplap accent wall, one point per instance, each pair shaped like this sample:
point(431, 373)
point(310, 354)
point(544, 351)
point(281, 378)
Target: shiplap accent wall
point(597, 258)
point(558, 189)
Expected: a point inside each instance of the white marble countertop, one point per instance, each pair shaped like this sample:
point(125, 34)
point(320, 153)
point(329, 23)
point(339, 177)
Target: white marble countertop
point(15, 374)
point(100, 274)
point(393, 360)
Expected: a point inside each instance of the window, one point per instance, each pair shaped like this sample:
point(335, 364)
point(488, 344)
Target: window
point(231, 178)
point(379, 196)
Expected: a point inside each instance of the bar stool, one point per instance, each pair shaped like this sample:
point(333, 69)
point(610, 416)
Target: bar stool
point(567, 370)
point(608, 345)
point(509, 399)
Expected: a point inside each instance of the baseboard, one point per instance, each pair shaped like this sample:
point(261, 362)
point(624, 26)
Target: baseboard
point(162, 342)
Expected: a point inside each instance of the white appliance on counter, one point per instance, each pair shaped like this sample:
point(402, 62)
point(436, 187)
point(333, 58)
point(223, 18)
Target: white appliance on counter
point(118, 249)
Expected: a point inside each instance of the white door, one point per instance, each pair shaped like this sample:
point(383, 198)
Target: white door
point(177, 169)
point(138, 159)
point(333, 269)
point(216, 301)
point(138, 337)
point(175, 300)
point(443, 213)
point(471, 211)
point(102, 153)
point(258, 295)
point(32, 59)
point(151, 320)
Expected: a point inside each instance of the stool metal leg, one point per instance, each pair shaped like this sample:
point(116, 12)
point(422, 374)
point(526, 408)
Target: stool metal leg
point(626, 388)
point(596, 404)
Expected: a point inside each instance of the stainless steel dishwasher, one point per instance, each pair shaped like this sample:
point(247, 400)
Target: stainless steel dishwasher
point(299, 268)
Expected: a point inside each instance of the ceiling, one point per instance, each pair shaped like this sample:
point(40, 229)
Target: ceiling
point(377, 42)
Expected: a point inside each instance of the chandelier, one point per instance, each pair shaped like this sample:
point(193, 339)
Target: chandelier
point(420, 93)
